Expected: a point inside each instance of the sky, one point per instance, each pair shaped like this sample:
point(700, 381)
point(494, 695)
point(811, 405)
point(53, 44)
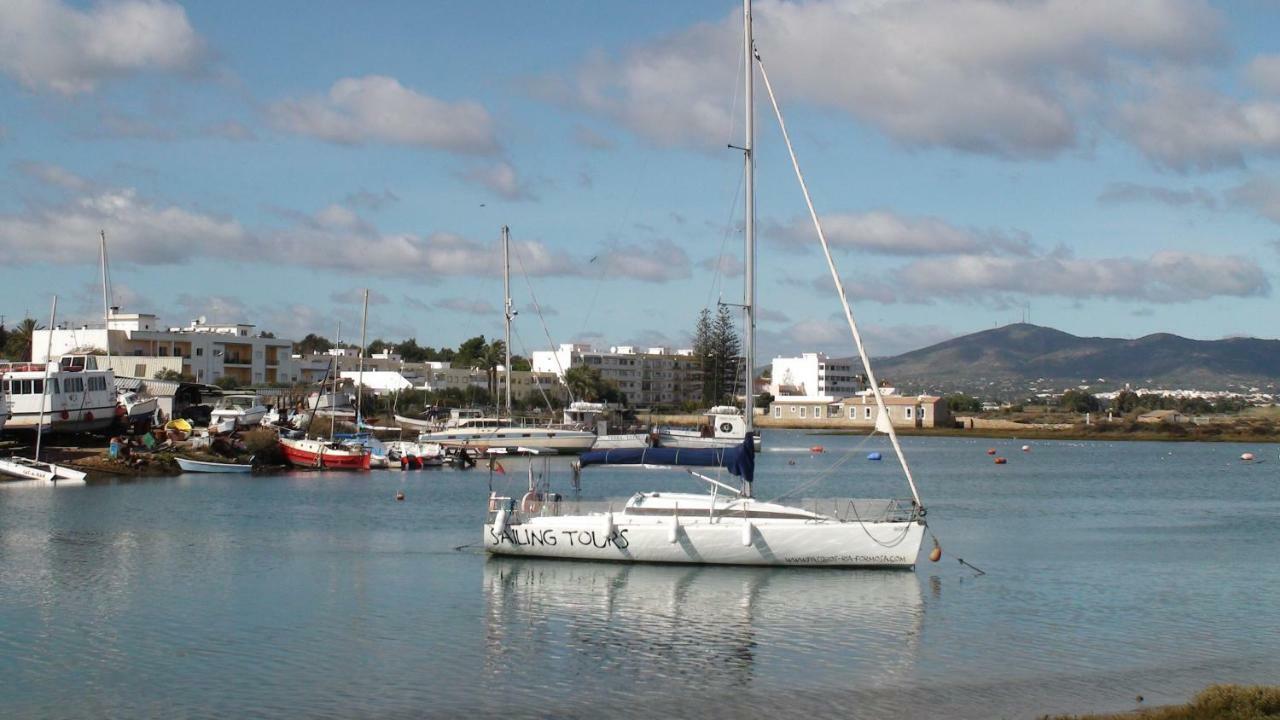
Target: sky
point(1107, 169)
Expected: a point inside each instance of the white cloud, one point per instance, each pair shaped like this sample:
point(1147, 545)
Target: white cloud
point(1164, 277)
point(727, 265)
point(1260, 194)
point(1013, 83)
point(1127, 192)
point(54, 175)
point(48, 45)
point(501, 179)
point(355, 296)
point(231, 130)
point(588, 138)
point(1264, 74)
point(657, 262)
point(213, 308)
point(469, 307)
point(1184, 125)
point(888, 233)
point(831, 335)
point(378, 109)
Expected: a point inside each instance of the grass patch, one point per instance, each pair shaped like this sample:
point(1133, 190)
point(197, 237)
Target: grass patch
point(1216, 702)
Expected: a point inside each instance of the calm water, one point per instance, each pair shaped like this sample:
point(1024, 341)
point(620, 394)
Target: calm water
point(1112, 570)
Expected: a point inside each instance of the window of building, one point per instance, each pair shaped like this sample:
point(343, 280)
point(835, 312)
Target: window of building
point(777, 411)
point(793, 409)
point(867, 412)
point(922, 411)
point(908, 410)
point(139, 370)
point(853, 413)
point(199, 352)
point(802, 412)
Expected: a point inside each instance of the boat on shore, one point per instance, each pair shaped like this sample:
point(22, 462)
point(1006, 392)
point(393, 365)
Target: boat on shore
point(202, 466)
point(74, 399)
point(324, 454)
point(240, 410)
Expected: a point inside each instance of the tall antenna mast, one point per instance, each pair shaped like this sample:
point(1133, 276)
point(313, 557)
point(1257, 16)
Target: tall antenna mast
point(749, 205)
point(364, 320)
point(507, 314)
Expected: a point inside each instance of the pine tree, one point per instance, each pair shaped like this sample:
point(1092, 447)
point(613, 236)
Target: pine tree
point(727, 352)
point(703, 352)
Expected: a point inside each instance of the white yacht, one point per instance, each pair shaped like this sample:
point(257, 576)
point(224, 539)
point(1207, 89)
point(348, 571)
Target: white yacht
point(724, 427)
point(595, 416)
point(80, 397)
point(244, 410)
point(485, 433)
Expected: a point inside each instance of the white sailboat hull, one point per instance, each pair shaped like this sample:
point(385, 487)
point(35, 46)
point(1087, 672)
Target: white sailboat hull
point(682, 439)
point(615, 442)
point(24, 469)
point(724, 541)
point(514, 438)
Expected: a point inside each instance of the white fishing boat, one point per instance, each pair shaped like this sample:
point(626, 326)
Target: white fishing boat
point(241, 410)
point(33, 469)
point(79, 398)
point(138, 410)
point(725, 426)
point(202, 466)
point(727, 525)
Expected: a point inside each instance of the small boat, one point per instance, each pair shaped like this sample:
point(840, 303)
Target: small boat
point(305, 452)
point(725, 427)
point(26, 469)
point(138, 410)
point(243, 410)
point(201, 466)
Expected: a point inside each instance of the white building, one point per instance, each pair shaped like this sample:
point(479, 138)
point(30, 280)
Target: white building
point(648, 376)
point(814, 376)
point(206, 351)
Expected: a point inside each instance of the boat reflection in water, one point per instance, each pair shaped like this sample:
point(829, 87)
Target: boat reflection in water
point(684, 635)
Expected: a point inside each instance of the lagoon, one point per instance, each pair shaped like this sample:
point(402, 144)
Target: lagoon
point(1112, 570)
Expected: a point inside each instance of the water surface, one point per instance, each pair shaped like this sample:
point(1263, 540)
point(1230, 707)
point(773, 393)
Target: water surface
point(1113, 570)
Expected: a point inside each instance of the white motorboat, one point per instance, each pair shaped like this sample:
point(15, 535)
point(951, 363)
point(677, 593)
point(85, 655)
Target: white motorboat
point(727, 525)
point(486, 433)
point(21, 468)
point(724, 427)
point(408, 453)
point(594, 416)
point(243, 410)
point(202, 466)
point(138, 409)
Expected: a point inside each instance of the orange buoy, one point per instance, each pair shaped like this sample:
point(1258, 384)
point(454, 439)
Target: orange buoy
point(935, 554)
point(1001, 461)
point(816, 449)
point(1247, 457)
point(991, 451)
point(399, 495)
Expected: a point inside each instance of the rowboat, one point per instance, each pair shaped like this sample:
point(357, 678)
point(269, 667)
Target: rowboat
point(201, 466)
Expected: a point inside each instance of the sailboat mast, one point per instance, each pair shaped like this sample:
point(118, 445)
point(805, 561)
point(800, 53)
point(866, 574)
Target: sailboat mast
point(364, 320)
point(44, 387)
point(506, 308)
point(749, 226)
point(106, 302)
point(333, 399)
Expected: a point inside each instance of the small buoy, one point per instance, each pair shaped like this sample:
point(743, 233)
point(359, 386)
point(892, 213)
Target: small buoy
point(791, 462)
point(1026, 448)
point(991, 451)
point(873, 456)
point(935, 554)
point(1001, 461)
point(1247, 457)
point(1139, 698)
point(816, 449)
point(399, 495)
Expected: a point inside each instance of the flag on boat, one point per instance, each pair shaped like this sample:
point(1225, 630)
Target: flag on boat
point(497, 466)
point(737, 459)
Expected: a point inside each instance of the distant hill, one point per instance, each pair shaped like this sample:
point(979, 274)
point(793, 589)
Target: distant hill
point(1017, 356)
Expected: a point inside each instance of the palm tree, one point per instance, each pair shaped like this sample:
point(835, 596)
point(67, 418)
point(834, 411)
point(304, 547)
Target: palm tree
point(21, 339)
point(492, 357)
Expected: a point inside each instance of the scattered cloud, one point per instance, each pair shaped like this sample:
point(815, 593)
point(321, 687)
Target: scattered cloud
point(367, 200)
point(887, 233)
point(1127, 192)
point(51, 46)
point(588, 138)
point(231, 130)
point(53, 175)
point(650, 338)
point(1264, 74)
point(547, 310)
point(355, 296)
point(830, 335)
point(727, 265)
point(767, 315)
point(1259, 194)
point(462, 305)
point(213, 308)
point(1015, 84)
point(657, 262)
point(501, 179)
point(378, 109)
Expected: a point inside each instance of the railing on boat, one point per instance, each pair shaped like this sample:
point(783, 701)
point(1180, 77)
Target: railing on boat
point(866, 510)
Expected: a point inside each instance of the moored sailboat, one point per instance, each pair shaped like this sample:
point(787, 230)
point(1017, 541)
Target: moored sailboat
point(727, 525)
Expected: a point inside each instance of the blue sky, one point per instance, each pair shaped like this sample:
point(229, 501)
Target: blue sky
point(1109, 167)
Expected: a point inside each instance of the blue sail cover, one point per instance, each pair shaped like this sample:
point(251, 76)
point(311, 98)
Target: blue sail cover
point(738, 459)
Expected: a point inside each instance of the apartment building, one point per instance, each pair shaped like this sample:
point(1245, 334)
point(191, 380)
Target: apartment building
point(648, 376)
point(814, 376)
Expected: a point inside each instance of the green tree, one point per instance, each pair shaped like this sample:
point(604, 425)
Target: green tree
point(4, 339)
point(312, 344)
point(1126, 401)
point(493, 355)
point(378, 346)
point(227, 382)
point(521, 364)
point(471, 353)
point(1079, 401)
point(18, 343)
point(586, 383)
point(173, 375)
point(704, 354)
point(959, 402)
point(727, 352)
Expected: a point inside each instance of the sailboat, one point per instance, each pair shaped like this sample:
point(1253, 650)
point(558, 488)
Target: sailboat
point(32, 468)
point(727, 525)
point(487, 433)
point(320, 453)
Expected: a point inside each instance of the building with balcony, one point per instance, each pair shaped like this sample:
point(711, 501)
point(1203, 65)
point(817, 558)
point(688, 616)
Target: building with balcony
point(648, 376)
point(814, 376)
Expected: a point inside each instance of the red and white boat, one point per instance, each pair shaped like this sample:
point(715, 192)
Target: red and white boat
point(325, 454)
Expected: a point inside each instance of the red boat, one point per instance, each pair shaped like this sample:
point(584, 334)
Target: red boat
point(324, 454)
